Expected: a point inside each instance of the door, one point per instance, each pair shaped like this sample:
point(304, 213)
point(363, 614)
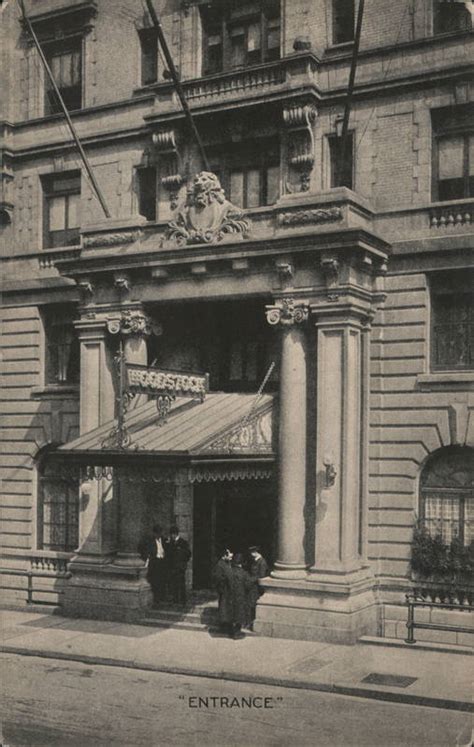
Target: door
point(235, 515)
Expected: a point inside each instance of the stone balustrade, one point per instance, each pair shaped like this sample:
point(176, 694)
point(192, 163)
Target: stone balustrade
point(236, 82)
point(458, 214)
point(55, 563)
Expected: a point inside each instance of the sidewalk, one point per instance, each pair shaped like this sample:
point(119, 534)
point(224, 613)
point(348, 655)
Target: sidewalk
point(427, 675)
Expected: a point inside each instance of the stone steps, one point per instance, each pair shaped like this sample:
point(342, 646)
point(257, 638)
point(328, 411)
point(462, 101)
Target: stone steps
point(198, 617)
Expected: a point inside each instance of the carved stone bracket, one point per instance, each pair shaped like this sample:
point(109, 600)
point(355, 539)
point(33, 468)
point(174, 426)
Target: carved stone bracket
point(134, 322)
point(166, 146)
point(330, 268)
point(86, 287)
point(206, 217)
point(122, 282)
point(287, 312)
point(286, 271)
point(298, 119)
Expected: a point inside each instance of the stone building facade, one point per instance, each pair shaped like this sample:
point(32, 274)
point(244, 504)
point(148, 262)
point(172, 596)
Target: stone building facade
point(354, 280)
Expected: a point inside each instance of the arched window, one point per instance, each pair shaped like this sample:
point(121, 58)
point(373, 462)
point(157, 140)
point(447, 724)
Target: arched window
point(58, 507)
point(447, 494)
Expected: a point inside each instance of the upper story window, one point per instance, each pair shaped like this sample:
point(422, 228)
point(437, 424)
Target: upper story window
point(146, 191)
point(452, 15)
point(342, 174)
point(250, 172)
point(342, 21)
point(149, 56)
point(453, 153)
point(239, 34)
point(62, 29)
point(246, 350)
point(61, 219)
point(452, 322)
point(61, 353)
point(65, 62)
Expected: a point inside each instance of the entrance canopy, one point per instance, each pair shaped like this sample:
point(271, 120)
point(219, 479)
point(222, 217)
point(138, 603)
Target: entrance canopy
point(225, 426)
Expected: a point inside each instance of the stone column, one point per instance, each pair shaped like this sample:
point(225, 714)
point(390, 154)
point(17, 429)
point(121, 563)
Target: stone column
point(292, 438)
point(134, 326)
point(342, 386)
point(97, 516)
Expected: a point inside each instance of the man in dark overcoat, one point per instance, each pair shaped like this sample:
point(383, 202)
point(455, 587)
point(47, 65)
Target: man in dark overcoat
point(222, 578)
point(177, 553)
point(241, 583)
point(152, 551)
point(258, 569)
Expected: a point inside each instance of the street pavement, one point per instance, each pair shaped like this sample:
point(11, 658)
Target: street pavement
point(47, 702)
point(418, 675)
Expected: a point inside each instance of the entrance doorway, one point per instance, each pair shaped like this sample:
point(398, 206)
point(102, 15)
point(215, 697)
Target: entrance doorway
point(235, 515)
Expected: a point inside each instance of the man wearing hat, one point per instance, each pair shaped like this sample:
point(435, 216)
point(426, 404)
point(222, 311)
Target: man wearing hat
point(177, 554)
point(258, 568)
point(241, 583)
point(152, 551)
point(222, 577)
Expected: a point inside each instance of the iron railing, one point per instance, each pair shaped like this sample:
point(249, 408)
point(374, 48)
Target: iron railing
point(413, 601)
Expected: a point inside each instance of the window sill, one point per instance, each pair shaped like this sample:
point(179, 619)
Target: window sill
point(51, 391)
point(444, 379)
point(342, 47)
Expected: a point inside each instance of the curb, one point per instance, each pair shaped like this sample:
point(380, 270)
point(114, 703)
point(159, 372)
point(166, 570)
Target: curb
point(441, 648)
point(351, 690)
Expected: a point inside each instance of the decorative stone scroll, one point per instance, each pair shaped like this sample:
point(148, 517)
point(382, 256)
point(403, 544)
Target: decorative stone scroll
point(287, 312)
point(299, 119)
point(166, 145)
point(207, 217)
point(134, 322)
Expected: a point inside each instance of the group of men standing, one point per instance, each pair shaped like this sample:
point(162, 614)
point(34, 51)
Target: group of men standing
point(237, 582)
point(238, 588)
point(166, 559)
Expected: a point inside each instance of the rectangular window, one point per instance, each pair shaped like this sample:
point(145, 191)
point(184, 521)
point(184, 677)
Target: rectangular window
point(62, 360)
point(146, 186)
point(149, 56)
point(452, 331)
point(250, 173)
point(58, 512)
point(452, 15)
point(341, 173)
point(61, 214)
point(65, 62)
point(453, 153)
point(342, 21)
point(238, 35)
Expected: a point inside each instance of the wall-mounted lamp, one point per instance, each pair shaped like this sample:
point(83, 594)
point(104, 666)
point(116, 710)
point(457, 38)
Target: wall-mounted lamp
point(338, 124)
point(331, 472)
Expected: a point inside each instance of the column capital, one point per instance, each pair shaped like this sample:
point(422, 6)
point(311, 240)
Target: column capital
point(287, 312)
point(133, 322)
